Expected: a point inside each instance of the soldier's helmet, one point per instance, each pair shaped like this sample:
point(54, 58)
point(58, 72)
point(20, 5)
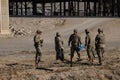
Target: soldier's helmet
point(86, 30)
point(75, 30)
point(100, 30)
point(57, 34)
point(38, 31)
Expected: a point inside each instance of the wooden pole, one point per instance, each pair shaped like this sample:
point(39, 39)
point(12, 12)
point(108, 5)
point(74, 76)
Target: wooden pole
point(51, 8)
point(104, 6)
point(21, 8)
point(118, 3)
point(94, 7)
point(99, 9)
point(16, 8)
point(78, 3)
point(84, 8)
point(34, 7)
point(60, 8)
point(64, 4)
point(88, 8)
point(25, 7)
point(113, 3)
point(43, 8)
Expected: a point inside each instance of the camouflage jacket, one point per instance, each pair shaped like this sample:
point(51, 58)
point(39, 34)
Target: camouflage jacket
point(75, 40)
point(100, 40)
point(58, 42)
point(88, 41)
point(38, 40)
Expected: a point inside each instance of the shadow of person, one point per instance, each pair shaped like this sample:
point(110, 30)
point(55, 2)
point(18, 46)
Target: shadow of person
point(85, 63)
point(45, 69)
point(88, 64)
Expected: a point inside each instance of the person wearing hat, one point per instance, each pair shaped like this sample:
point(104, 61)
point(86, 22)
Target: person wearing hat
point(100, 44)
point(89, 46)
point(38, 42)
point(74, 42)
point(59, 47)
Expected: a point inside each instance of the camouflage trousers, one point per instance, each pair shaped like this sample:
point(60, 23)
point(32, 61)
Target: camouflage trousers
point(38, 55)
point(59, 54)
point(100, 52)
point(73, 50)
point(90, 53)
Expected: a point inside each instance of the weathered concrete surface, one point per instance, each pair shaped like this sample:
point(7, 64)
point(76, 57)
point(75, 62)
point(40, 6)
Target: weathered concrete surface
point(4, 17)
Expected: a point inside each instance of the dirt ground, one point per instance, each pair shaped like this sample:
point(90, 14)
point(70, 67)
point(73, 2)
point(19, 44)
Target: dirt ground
point(17, 53)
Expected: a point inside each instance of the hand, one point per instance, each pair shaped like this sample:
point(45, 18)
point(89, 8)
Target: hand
point(41, 41)
point(62, 48)
point(85, 45)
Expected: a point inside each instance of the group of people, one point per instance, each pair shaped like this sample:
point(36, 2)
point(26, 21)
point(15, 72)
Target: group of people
point(99, 45)
point(74, 42)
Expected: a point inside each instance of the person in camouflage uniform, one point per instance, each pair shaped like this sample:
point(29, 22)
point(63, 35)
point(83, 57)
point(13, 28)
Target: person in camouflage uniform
point(89, 46)
point(75, 41)
point(100, 44)
point(59, 47)
point(38, 42)
point(103, 45)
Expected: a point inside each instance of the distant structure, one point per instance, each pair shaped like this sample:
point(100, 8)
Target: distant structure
point(53, 8)
point(4, 17)
point(78, 8)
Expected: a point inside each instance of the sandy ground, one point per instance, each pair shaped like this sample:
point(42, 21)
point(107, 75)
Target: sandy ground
point(17, 53)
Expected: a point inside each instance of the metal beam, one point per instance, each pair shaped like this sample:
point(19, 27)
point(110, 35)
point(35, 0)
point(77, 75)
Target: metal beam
point(95, 8)
point(78, 5)
point(16, 8)
point(60, 8)
point(73, 7)
point(25, 8)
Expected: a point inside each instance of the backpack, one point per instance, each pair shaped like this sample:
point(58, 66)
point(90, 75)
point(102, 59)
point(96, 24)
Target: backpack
point(101, 39)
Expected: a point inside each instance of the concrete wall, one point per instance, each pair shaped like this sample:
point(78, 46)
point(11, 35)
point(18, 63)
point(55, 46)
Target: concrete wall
point(4, 17)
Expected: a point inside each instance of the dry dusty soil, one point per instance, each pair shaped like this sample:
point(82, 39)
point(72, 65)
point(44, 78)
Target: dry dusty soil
point(17, 54)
